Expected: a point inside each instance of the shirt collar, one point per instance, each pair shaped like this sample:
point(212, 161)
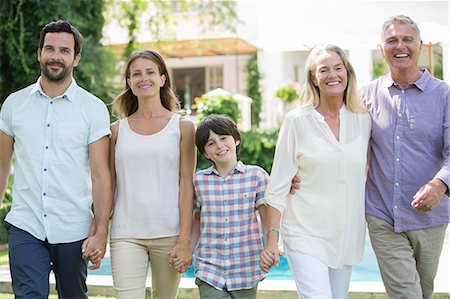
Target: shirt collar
point(320, 117)
point(420, 83)
point(69, 94)
point(240, 167)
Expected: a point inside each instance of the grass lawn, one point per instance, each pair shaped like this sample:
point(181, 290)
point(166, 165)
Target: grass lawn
point(4, 259)
point(11, 296)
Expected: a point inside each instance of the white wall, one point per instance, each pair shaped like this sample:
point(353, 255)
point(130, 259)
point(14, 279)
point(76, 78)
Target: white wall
point(234, 68)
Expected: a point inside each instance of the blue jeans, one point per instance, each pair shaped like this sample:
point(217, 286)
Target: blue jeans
point(30, 262)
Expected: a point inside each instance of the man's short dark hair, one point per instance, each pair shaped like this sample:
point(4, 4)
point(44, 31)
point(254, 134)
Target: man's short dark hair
point(219, 124)
point(62, 26)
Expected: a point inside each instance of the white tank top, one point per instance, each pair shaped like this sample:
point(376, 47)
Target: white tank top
point(147, 182)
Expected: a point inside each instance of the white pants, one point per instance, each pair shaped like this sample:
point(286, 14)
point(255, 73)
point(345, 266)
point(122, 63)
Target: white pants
point(315, 280)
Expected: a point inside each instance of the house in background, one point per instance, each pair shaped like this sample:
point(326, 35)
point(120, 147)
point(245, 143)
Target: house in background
point(282, 33)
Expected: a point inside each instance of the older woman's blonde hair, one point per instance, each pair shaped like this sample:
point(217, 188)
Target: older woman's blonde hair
point(310, 95)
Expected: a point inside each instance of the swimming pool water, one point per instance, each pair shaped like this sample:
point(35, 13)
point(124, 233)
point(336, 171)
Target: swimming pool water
point(366, 270)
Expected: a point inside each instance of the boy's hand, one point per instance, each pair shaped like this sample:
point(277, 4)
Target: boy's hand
point(270, 255)
point(269, 258)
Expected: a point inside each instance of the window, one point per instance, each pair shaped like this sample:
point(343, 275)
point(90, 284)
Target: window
point(214, 78)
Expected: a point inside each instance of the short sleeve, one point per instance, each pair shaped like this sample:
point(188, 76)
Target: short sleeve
point(261, 185)
point(197, 201)
point(100, 124)
point(5, 117)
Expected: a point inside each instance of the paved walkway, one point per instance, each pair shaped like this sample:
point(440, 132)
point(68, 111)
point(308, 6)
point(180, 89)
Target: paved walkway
point(102, 284)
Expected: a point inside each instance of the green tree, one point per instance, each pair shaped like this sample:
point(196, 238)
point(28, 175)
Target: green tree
point(20, 24)
point(212, 13)
point(254, 89)
point(380, 68)
point(438, 72)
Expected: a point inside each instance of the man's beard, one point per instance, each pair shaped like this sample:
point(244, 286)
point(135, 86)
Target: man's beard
point(55, 76)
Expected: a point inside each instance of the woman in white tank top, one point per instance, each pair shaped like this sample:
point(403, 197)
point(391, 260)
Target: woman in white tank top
point(153, 159)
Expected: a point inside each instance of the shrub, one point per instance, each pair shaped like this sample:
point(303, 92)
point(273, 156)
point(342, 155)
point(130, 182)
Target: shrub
point(217, 105)
point(3, 211)
point(287, 93)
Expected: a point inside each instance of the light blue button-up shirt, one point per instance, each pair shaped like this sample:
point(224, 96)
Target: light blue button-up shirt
point(410, 144)
point(52, 191)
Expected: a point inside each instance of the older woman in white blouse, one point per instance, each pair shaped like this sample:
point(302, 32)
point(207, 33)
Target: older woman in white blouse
point(324, 143)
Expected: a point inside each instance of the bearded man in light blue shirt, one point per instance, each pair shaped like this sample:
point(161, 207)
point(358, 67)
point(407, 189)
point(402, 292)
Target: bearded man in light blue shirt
point(59, 134)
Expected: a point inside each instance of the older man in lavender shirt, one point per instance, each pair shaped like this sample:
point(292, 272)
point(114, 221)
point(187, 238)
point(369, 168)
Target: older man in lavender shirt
point(407, 204)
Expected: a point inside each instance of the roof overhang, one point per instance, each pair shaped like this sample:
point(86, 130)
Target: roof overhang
point(194, 48)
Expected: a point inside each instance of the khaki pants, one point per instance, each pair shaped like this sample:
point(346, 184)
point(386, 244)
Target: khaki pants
point(129, 261)
point(209, 292)
point(408, 261)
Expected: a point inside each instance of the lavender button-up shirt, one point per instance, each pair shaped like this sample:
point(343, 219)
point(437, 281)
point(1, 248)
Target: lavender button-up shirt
point(410, 145)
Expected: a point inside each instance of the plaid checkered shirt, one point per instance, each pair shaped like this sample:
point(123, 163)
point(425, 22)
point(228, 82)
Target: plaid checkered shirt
point(230, 239)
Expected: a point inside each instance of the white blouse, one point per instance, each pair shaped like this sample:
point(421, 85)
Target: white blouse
point(325, 217)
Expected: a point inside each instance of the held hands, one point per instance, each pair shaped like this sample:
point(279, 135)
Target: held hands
point(93, 249)
point(180, 257)
point(429, 195)
point(270, 255)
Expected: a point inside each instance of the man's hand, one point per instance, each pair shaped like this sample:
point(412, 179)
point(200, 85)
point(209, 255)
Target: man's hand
point(295, 185)
point(94, 248)
point(429, 195)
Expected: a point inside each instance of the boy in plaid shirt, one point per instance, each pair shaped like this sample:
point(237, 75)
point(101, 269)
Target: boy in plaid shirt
point(228, 196)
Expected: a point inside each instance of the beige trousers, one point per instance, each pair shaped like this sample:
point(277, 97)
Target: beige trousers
point(130, 259)
point(408, 261)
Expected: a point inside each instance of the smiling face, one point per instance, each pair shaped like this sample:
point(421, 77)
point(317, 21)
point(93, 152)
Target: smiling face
point(57, 57)
point(145, 79)
point(221, 149)
point(329, 74)
point(401, 47)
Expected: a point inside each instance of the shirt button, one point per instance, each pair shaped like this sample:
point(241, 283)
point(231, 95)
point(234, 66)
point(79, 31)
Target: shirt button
point(45, 215)
point(396, 184)
point(400, 114)
point(45, 169)
point(226, 219)
point(226, 240)
point(46, 147)
point(398, 137)
point(51, 102)
point(44, 194)
point(397, 159)
point(395, 207)
point(48, 125)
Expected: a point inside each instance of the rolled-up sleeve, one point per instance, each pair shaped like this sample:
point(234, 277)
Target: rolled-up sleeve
point(5, 117)
point(100, 124)
point(284, 168)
